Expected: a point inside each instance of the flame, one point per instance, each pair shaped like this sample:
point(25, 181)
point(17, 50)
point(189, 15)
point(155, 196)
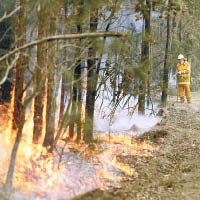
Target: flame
point(121, 145)
point(35, 169)
point(39, 174)
point(129, 145)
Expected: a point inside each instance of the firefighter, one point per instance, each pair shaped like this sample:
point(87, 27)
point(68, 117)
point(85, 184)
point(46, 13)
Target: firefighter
point(183, 76)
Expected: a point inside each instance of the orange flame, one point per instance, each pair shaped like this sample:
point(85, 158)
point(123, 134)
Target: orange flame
point(40, 174)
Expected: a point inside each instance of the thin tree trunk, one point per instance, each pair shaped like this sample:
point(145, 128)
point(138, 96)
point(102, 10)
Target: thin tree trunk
point(51, 101)
point(65, 59)
point(77, 87)
point(39, 82)
point(20, 68)
point(78, 77)
point(62, 98)
point(166, 63)
point(79, 100)
point(91, 83)
point(92, 80)
point(145, 56)
point(9, 178)
point(73, 112)
point(76, 102)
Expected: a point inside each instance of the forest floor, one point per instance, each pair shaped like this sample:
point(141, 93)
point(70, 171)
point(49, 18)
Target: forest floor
point(173, 171)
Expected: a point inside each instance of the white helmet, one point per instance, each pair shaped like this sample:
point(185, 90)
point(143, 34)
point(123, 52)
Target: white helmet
point(180, 57)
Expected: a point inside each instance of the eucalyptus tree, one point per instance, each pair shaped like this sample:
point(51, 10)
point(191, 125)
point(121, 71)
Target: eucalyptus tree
point(40, 73)
point(20, 32)
point(145, 8)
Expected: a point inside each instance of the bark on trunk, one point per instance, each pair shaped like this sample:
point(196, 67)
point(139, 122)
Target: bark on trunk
point(51, 101)
point(145, 57)
point(39, 82)
point(77, 87)
point(166, 62)
point(73, 112)
point(65, 60)
point(91, 84)
point(20, 68)
point(79, 103)
point(78, 74)
point(62, 98)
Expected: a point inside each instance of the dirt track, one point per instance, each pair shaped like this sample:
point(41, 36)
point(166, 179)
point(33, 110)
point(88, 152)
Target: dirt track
point(173, 172)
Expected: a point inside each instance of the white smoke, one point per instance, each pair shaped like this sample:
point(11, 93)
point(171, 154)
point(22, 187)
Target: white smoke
point(122, 121)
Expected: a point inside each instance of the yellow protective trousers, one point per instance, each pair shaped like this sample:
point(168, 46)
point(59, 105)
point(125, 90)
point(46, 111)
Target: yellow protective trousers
point(184, 89)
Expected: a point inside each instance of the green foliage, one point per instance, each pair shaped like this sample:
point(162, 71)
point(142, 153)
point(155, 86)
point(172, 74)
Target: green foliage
point(100, 46)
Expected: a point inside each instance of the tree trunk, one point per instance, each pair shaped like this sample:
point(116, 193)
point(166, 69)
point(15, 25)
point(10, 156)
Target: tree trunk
point(39, 82)
point(62, 97)
point(65, 60)
point(145, 56)
point(9, 178)
point(91, 83)
point(79, 100)
point(20, 67)
point(78, 76)
point(166, 63)
point(73, 111)
point(77, 87)
point(76, 102)
point(51, 101)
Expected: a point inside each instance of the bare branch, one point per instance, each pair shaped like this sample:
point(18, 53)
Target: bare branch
point(5, 16)
point(10, 66)
point(64, 37)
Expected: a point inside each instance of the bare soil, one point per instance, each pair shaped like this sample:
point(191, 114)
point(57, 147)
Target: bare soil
point(173, 171)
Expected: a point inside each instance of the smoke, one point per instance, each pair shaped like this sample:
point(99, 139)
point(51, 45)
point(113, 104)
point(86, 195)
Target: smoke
point(122, 121)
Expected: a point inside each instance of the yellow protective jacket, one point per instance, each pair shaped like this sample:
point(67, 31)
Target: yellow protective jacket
point(184, 77)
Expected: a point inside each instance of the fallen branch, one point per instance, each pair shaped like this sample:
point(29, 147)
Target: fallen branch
point(63, 37)
point(83, 149)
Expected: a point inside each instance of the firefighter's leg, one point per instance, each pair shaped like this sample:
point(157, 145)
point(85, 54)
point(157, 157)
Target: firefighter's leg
point(181, 92)
point(187, 92)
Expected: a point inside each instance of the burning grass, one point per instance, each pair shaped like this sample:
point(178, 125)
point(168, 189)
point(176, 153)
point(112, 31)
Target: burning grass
point(72, 169)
